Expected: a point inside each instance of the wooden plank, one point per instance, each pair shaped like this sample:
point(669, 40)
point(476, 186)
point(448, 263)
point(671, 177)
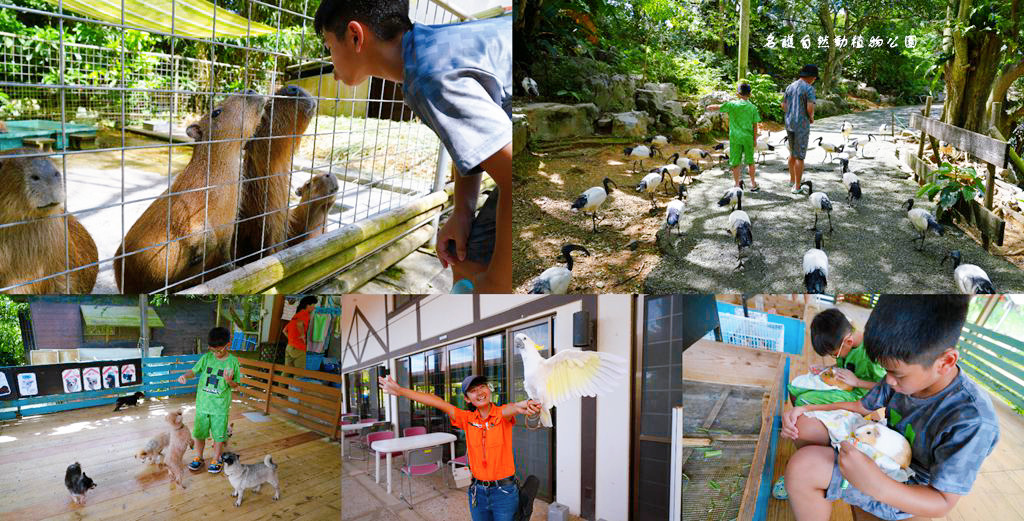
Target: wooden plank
point(254, 393)
point(983, 147)
point(301, 407)
point(709, 421)
point(306, 397)
point(319, 375)
point(748, 367)
point(748, 503)
point(309, 424)
point(255, 363)
point(992, 336)
point(995, 386)
point(330, 392)
point(991, 363)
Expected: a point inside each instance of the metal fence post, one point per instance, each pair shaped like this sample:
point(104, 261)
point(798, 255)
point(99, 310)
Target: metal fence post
point(143, 326)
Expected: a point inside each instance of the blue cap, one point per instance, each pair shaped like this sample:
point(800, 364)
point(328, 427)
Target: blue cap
point(471, 380)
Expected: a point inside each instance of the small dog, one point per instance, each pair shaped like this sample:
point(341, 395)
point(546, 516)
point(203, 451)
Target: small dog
point(129, 400)
point(180, 439)
point(153, 451)
point(243, 476)
point(77, 482)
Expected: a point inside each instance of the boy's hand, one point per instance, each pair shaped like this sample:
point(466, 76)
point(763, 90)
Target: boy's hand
point(859, 469)
point(228, 373)
point(817, 369)
point(530, 407)
point(846, 376)
point(389, 385)
point(456, 228)
point(789, 419)
point(181, 379)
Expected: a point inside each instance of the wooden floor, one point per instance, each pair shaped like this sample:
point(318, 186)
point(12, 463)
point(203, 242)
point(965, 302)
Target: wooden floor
point(35, 452)
point(998, 493)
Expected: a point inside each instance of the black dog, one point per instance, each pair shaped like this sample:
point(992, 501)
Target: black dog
point(77, 482)
point(129, 400)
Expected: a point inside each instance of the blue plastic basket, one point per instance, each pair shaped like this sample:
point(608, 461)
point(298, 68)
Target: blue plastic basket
point(313, 361)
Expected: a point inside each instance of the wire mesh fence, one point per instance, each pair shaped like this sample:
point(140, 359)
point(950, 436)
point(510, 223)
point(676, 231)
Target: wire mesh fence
point(150, 153)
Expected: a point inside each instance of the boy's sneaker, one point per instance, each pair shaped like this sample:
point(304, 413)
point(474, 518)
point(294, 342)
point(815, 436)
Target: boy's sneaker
point(779, 489)
point(214, 468)
point(756, 188)
point(196, 464)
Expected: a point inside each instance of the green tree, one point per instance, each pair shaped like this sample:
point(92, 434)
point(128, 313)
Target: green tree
point(12, 350)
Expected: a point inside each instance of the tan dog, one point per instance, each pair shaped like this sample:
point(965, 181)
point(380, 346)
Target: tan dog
point(32, 189)
point(201, 219)
point(153, 451)
point(181, 439)
point(828, 376)
point(263, 215)
point(309, 218)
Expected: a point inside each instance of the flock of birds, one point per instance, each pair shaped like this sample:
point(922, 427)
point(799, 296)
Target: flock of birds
point(969, 278)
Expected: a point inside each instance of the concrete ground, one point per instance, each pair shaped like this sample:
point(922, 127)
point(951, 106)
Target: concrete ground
point(432, 500)
point(869, 251)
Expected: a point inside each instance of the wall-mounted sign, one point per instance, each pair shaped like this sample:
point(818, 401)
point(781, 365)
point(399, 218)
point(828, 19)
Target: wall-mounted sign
point(72, 380)
point(110, 377)
point(27, 384)
point(91, 377)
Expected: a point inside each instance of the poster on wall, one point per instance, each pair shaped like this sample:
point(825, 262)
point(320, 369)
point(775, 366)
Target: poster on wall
point(91, 378)
point(110, 377)
point(128, 374)
point(27, 384)
point(5, 386)
point(72, 380)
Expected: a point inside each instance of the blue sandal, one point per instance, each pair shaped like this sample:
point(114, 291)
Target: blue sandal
point(779, 489)
point(196, 464)
point(214, 468)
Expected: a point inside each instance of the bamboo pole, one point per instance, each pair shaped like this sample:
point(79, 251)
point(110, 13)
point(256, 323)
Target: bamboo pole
point(311, 275)
point(366, 269)
point(744, 40)
point(264, 273)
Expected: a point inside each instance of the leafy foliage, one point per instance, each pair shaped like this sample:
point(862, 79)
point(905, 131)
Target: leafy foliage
point(12, 351)
point(952, 184)
point(764, 94)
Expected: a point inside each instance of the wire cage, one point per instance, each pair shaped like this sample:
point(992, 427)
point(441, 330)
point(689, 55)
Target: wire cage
point(98, 103)
point(751, 332)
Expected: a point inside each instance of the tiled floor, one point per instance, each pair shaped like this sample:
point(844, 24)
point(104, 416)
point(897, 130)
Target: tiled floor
point(432, 500)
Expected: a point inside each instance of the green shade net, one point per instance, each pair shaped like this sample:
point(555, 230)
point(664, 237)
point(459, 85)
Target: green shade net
point(193, 18)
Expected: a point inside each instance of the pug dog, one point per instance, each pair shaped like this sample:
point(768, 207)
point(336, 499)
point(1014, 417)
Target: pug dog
point(243, 476)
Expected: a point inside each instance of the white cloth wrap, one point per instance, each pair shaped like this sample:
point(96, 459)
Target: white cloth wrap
point(841, 425)
point(813, 382)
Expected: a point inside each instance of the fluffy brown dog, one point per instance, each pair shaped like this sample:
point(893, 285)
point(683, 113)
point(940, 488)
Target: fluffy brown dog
point(309, 218)
point(202, 218)
point(181, 439)
point(263, 216)
point(32, 189)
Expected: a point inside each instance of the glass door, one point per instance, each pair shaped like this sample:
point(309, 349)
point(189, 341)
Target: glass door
point(402, 375)
point(460, 365)
point(534, 449)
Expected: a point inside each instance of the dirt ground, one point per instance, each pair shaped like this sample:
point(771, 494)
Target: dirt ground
point(870, 249)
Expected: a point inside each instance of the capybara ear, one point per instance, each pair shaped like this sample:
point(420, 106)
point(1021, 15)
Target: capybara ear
point(194, 131)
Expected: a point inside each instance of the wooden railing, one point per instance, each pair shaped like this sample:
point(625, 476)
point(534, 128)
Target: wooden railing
point(995, 360)
point(314, 405)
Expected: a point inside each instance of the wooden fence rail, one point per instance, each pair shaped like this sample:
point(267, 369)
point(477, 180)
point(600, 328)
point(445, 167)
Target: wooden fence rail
point(995, 360)
point(314, 404)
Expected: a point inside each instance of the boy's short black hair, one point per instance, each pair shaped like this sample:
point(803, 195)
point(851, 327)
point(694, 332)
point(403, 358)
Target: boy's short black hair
point(218, 336)
point(744, 89)
point(307, 300)
point(914, 329)
point(387, 18)
point(828, 329)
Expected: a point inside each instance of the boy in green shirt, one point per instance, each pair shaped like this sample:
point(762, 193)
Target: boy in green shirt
point(218, 372)
point(833, 335)
point(743, 120)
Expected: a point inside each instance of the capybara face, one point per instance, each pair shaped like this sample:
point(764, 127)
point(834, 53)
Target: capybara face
point(29, 187)
point(235, 117)
point(318, 187)
point(297, 107)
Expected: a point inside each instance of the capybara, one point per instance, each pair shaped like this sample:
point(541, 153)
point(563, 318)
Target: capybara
point(263, 215)
point(32, 189)
point(199, 240)
point(309, 218)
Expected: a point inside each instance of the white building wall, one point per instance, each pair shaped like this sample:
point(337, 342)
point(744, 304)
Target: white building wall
point(442, 313)
point(494, 304)
point(356, 336)
point(402, 329)
point(613, 422)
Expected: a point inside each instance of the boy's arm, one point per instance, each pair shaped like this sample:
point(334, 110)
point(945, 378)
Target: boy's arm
point(712, 108)
point(527, 407)
point(390, 386)
point(810, 111)
point(919, 500)
point(185, 376)
point(498, 277)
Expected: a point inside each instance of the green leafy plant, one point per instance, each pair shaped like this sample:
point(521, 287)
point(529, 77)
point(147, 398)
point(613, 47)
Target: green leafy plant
point(765, 95)
point(952, 184)
point(12, 351)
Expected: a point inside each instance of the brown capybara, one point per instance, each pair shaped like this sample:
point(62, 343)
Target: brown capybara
point(202, 211)
point(309, 218)
point(32, 189)
point(263, 215)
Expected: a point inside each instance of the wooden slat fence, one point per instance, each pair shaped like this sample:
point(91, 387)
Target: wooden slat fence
point(300, 395)
point(995, 360)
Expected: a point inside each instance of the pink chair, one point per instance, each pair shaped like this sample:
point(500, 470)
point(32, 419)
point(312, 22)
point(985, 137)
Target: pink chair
point(414, 431)
point(377, 436)
point(420, 462)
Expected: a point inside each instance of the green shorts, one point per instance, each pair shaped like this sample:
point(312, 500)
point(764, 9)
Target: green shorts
point(205, 423)
point(741, 151)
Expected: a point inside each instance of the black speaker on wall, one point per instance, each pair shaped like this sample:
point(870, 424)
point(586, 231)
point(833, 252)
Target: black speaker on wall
point(581, 329)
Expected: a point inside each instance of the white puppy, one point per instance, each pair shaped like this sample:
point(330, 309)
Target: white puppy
point(243, 476)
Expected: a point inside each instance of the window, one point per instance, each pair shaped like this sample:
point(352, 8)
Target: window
point(495, 367)
point(364, 393)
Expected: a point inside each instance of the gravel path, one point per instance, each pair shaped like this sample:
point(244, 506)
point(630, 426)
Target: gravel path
point(869, 251)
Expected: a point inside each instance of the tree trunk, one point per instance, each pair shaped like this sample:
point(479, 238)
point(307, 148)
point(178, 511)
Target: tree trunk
point(741, 64)
point(824, 83)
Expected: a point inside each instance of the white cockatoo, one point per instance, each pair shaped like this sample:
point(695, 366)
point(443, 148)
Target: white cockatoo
point(569, 374)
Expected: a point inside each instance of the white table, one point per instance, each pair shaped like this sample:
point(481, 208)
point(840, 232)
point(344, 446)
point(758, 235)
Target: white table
point(420, 441)
point(348, 427)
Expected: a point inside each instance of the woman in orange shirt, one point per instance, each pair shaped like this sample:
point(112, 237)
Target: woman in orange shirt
point(494, 493)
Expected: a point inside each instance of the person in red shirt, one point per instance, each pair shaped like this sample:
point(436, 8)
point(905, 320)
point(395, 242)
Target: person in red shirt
point(295, 353)
point(494, 493)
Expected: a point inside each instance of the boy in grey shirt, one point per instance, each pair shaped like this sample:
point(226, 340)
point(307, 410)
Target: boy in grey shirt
point(458, 79)
point(948, 420)
point(798, 106)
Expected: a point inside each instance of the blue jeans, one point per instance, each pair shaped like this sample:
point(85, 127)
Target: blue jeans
point(493, 503)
